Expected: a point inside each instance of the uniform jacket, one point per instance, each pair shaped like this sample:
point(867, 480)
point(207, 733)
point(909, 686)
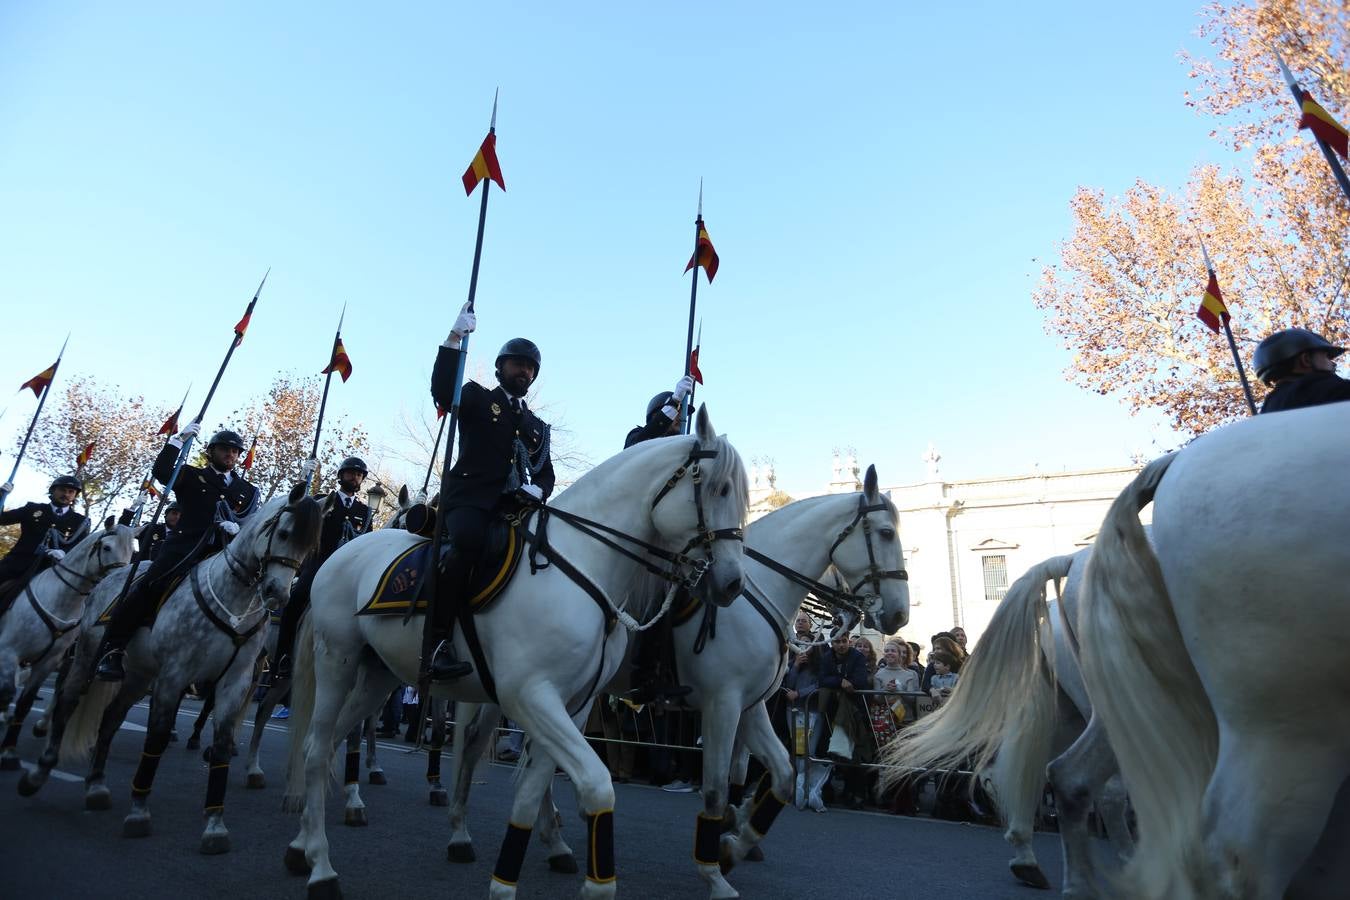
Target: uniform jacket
point(36, 519)
point(333, 530)
point(150, 539)
point(658, 423)
point(488, 466)
point(197, 492)
point(1312, 389)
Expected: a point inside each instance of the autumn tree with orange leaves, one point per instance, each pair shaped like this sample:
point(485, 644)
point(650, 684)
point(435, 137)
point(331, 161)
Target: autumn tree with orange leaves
point(1124, 293)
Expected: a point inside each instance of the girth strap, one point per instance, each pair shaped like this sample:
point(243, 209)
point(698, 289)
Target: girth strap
point(55, 628)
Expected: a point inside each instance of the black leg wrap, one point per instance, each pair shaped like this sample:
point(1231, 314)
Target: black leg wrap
point(12, 733)
point(434, 765)
point(736, 794)
point(600, 843)
point(766, 810)
point(216, 782)
point(764, 786)
point(155, 742)
point(512, 855)
point(353, 773)
point(706, 837)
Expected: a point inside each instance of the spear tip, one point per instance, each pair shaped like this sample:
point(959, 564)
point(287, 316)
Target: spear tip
point(1284, 69)
point(63, 347)
point(493, 125)
point(700, 196)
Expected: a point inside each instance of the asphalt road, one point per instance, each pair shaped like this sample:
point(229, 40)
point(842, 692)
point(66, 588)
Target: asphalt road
point(53, 848)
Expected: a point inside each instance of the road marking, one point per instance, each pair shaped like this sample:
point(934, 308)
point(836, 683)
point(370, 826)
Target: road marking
point(55, 773)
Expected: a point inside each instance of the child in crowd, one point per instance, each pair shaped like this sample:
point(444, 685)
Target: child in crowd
point(946, 670)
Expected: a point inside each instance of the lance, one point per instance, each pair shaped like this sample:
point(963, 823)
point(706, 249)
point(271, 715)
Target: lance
point(428, 588)
point(435, 448)
point(1228, 332)
point(689, 369)
point(323, 403)
point(42, 399)
point(170, 427)
point(236, 339)
point(693, 302)
point(1336, 169)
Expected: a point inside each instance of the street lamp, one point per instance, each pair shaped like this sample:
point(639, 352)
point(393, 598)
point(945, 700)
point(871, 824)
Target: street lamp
point(375, 494)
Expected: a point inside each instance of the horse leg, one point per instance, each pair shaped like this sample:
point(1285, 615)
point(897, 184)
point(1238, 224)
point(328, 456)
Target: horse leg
point(43, 725)
point(472, 735)
point(9, 754)
point(771, 794)
point(355, 812)
point(64, 699)
point(1075, 776)
point(374, 771)
point(231, 692)
point(208, 705)
point(9, 673)
point(163, 711)
point(549, 823)
point(96, 793)
point(373, 678)
point(438, 796)
point(740, 765)
point(254, 773)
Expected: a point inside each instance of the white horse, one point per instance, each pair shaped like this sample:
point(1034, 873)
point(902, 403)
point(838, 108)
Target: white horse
point(1231, 769)
point(44, 620)
point(668, 498)
point(1020, 702)
point(210, 629)
point(736, 661)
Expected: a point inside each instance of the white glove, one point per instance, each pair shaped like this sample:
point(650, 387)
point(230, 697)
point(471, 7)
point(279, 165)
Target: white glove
point(683, 388)
point(190, 430)
point(7, 487)
point(465, 323)
point(56, 554)
point(230, 528)
point(307, 470)
point(533, 490)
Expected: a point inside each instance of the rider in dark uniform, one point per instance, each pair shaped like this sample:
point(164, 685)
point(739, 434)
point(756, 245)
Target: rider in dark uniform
point(345, 519)
point(151, 537)
point(212, 500)
point(1301, 366)
point(46, 532)
point(503, 464)
point(663, 414)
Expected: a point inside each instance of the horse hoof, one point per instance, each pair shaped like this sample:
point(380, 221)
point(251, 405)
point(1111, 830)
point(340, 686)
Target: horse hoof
point(439, 798)
point(376, 777)
point(215, 844)
point(136, 828)
point(28, 786)
point(1030, 874)
point(256, 781)
point(295, 861)
point(39, 730)
point(193, 743)
point(325, 890)
point(563, 863)
point(725, 860)
point(355, 816)
point(460, 853)
point(9, 763)
point(755, 854)
point(98, 799)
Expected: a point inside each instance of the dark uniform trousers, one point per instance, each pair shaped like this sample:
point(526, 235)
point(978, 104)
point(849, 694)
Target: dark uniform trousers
point(198, 491)
point(340, 521)
point(481, 485)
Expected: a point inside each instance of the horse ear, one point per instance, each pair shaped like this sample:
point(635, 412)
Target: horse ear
point(109, 523)
point(870, 484)
point(328, 503)
point(296, 494)
point(403, 496)
point(703, 426)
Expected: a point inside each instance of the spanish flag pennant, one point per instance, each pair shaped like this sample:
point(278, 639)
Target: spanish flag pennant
point(40, 381)
point(704, 254)
point(440, 412)
point(1324, 126)
point(340, 363)
point(170, 425)
point(248, 457)
point(242, 325)
point(149, 487)
point(693, 365)
point(1213, 311)
point(484, 165)
point(83, 459)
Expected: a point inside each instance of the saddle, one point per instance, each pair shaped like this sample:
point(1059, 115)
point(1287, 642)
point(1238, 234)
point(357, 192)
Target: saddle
point(106, 616)
point(401, 582)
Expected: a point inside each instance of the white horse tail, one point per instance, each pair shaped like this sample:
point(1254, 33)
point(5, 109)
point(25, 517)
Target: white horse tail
point(302, 711)
point(81, 736)
point(1006, 688)
point(1143, 685)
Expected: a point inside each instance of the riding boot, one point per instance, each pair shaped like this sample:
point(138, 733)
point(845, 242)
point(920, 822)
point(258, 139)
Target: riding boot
point(444, 665)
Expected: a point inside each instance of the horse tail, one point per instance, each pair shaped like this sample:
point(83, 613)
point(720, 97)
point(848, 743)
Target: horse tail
point(81, 734)
point(302, 711)
point(1143, 685)
point(1007, 689)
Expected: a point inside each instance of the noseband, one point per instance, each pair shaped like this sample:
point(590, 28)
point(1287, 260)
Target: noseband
point(250, 578)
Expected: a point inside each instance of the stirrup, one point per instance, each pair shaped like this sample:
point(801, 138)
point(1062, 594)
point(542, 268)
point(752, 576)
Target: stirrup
point(444, 666)
point(110, 666)
point(283, 669)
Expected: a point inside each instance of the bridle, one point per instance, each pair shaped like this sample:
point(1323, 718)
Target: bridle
point(252, 577)
point(94, 579)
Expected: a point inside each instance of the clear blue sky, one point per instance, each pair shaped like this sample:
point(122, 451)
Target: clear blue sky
point(878, 178)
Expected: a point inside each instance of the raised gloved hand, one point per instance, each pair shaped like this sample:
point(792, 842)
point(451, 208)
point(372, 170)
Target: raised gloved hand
point(56, 554)
point(190, 430)
point(7, 487)
point(307, 470)
point(465, 323)
point(533, 491)
point(230, 528)
point(683, 388)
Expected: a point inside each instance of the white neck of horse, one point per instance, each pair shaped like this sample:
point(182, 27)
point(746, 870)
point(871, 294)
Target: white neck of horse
point(798, 536)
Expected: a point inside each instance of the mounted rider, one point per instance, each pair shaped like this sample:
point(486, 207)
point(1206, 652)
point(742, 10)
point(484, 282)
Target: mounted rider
point(46, 532)
point(213, 499)
point(151, 537)
point(503, 465)
point(345, 518)
point(1300, 365)
point(664, 414)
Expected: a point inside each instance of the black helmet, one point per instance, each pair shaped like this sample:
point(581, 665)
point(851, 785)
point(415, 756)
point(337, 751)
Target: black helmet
point(658, 401)
point(66, 481)
point(353, 462)
point(172, 507)
point(226, 438)
point(521, 348)
point(1283, 346)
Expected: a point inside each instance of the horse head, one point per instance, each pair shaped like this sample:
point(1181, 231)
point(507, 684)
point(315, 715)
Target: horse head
point(277, 538)
point(702, 509)
point(868, 555)
point(102, 550)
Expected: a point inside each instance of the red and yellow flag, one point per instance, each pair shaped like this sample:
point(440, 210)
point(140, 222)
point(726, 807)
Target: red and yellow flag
point(341, 363)
point(242, 325)
point(693, 365)
point(440, 413)
point(248, 457)
point(1324, 127)
point(484, 165)
point(1213, 311)
point(704, 254)
point(40, 380)
point(149, 487)
point(83, 459)
point(170, 425)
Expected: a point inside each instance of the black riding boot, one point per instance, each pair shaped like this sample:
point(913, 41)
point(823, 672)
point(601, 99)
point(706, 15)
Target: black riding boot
point(444, 665)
